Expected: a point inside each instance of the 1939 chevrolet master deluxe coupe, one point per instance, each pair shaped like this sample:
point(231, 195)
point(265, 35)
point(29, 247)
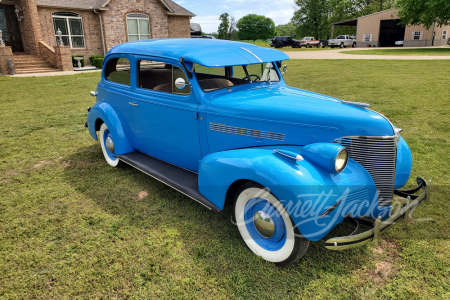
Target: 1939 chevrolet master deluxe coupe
point(215, 120)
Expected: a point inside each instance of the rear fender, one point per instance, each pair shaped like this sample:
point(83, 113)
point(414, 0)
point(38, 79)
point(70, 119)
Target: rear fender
point(305, 190)
point(102, 111)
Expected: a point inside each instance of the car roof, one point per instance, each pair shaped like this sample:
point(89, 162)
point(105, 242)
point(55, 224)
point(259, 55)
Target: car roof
point(206, 52)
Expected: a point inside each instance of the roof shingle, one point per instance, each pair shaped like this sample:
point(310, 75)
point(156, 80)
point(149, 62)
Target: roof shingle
point(92, 4)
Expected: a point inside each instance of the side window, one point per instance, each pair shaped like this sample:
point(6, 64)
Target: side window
point(118, 70)
point(159, 76)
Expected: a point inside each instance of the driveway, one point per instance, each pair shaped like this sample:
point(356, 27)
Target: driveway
point(334, 54)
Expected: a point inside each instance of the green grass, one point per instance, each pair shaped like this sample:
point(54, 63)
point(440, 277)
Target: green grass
point(265, 44)
point(403, 51)
point(73, 227)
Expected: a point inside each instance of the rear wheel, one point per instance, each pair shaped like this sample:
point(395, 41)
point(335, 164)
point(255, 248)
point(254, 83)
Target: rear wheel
point(319, 45)
point(342, 45)
point(266, 226)
point(108, 148)
point(307, 46)
point(354, 45)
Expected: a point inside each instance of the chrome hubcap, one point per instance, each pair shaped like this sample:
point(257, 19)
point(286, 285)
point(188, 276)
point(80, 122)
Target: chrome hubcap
point(264, 224)
point(109, 144)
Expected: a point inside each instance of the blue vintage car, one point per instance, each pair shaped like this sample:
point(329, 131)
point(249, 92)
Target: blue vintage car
point(215, 120)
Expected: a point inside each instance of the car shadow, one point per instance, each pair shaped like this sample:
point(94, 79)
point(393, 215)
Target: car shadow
point(210, 238)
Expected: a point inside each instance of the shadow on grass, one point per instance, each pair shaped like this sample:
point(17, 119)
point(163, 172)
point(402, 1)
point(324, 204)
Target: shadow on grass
point(209, 239)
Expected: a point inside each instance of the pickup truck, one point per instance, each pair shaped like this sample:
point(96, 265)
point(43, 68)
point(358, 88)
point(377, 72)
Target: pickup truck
point(343, 41)
point(310, 41)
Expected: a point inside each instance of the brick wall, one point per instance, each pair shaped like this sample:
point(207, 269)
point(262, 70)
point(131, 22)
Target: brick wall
point(30, 29)
point(114, 20)
point(91, 27)
point(5, 53)
point(179, 27)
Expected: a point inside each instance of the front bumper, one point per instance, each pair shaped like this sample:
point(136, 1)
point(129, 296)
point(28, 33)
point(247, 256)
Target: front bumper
point(352, 241)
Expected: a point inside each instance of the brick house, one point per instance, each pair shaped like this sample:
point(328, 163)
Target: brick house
point(89, 27)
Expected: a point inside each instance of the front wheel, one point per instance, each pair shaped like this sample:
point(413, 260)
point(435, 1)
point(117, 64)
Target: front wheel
point(108, 148)
point(266, 226)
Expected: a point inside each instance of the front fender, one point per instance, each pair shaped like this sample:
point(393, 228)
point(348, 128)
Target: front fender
point(105, 112)
point(403, 165)
point(305, 190)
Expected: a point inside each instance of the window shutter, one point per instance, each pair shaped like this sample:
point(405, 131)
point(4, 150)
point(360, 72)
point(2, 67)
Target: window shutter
point(421, 36)
point(412, 35)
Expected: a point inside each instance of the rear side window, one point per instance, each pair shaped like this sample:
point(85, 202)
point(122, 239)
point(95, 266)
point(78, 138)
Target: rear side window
point(118, 70)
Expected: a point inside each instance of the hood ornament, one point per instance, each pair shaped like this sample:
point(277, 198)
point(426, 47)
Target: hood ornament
point(357, 104)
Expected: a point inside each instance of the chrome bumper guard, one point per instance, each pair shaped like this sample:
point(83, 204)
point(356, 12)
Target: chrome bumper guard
point(352, 241)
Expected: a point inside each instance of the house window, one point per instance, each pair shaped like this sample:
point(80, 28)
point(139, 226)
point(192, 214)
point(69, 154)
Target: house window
point(417, 35)
point(367, 37)
point(71, 27)
point(138, 27)
point(444, 34)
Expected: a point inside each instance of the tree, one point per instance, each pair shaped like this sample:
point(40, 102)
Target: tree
point(426, 12)
point(286, 30)
point(222, 31)
point(232, 28)
point(311, 18)
point(254, 27)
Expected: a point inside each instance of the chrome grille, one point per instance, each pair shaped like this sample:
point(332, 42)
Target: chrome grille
point(247, 132)
point(378, 156)
point(352, 203)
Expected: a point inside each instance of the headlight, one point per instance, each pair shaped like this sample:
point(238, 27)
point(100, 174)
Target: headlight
point(397, 134)
point(330, 157)
point(341, 160)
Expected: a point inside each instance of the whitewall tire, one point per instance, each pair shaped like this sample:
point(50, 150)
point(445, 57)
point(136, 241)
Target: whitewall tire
point(266, 226)
point(106, 138)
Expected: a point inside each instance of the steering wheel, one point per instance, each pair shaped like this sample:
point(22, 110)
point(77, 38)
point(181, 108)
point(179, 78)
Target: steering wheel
point(257, 77)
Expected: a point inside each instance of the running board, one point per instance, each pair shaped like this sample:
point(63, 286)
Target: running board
point(186, 182)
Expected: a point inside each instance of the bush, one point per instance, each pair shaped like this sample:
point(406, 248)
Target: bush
point(91, 58)
point(98, 62)
point(75, 62)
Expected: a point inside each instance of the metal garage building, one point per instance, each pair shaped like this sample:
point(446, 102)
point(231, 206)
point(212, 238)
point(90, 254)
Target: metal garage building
point(382, 29)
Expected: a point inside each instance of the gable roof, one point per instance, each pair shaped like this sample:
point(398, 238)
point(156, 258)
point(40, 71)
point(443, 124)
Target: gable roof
point(171, 7)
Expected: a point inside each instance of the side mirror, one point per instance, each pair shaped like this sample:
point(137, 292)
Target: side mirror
point(284, 69)
point(181, 84)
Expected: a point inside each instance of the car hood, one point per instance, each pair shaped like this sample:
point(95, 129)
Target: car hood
point(308, 116)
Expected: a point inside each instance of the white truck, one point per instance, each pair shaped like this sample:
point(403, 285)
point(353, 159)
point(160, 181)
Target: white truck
point(342, 41)
point(309, 41)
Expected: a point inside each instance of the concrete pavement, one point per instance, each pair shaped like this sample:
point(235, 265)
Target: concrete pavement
point(334, 54)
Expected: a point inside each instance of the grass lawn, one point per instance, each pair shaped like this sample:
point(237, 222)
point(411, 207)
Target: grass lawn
point(265, 44)
point(402, 51)
point(73, 227)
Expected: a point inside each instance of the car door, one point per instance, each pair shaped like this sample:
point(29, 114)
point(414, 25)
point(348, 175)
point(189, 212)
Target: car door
point(289, 41)
point(116, 89)
point(165, 118)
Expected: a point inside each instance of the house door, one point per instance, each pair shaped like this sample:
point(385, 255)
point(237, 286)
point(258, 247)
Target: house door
point(10, 28)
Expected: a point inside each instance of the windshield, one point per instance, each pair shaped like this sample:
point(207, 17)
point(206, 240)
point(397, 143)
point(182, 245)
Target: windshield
point(215, 78)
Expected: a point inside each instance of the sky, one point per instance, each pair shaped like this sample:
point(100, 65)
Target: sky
point(208, 12)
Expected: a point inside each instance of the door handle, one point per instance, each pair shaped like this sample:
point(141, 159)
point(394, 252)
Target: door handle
point(133, 103)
